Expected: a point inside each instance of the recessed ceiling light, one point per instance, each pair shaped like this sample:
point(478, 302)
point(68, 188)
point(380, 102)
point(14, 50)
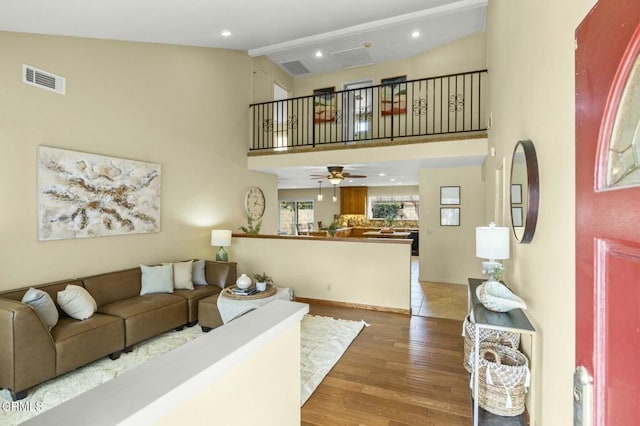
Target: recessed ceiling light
point(392, 179)
point(415, 34)
point(226, 33)
point(319, 54)
point(382, 174)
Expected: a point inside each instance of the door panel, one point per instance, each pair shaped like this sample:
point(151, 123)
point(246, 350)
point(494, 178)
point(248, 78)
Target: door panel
point(607, 216)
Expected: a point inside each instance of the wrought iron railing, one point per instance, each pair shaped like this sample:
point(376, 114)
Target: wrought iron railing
point(431, 106)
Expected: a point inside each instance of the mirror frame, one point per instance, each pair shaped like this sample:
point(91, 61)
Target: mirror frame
point(533, 190)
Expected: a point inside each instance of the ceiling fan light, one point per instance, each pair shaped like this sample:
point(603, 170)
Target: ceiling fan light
point(335, 180)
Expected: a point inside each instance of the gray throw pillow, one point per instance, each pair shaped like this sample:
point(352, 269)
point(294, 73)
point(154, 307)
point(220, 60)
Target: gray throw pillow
point(43, 304)
point(156, 279)
point(198, 276)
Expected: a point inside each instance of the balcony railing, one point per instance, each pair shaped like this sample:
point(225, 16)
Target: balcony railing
point(429, 106)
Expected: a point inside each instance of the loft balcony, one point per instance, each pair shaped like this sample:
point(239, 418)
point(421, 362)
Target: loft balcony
point(443, 107)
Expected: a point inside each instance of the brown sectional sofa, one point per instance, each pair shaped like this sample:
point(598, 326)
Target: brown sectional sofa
point(31, 354)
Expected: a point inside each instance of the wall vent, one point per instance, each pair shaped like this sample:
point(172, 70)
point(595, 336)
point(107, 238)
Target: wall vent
point(295, 68)
point(43, 79)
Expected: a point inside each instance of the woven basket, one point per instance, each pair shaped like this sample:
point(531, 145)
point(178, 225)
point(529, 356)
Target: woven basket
point(504, 377)
point(505, 338)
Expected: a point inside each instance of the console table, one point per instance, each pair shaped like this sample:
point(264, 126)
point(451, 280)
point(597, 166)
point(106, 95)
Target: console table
point(515, 321)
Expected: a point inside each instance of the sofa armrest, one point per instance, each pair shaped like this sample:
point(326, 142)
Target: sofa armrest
point(221, 274)
point(27, 350)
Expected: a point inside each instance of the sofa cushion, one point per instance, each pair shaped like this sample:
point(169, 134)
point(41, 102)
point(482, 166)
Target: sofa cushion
point(197, 273)
point(149, 315)
point(43, 304)
point(182, 273)
point(80, 342)
point(76, 302)
point(156, 279)
point(194, 296)
point(113, 286)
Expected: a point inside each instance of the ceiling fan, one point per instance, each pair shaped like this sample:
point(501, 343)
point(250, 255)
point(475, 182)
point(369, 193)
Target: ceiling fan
point(336, 175)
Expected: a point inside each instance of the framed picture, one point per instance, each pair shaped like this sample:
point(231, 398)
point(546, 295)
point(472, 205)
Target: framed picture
point(516, 216)
point(88, 195)
point(450, 195)
point(450, 216)
point(324, 105)
point(516, 193)
point(393, 96)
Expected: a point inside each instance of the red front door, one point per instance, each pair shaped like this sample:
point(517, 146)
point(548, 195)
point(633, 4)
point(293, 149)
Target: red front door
point(608, 209)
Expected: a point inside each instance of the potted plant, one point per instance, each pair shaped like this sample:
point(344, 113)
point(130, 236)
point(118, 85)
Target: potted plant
point(251, 229)
point(331, 229)
point(262, 279)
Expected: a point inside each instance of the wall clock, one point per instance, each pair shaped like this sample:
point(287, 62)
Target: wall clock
point(254, 203)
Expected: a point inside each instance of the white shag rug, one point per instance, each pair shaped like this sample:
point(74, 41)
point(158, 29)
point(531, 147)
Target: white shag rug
point(323, 341)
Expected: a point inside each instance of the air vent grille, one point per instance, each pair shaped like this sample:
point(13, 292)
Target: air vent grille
point(351, 58)
point(43, 79)
point(295, 68)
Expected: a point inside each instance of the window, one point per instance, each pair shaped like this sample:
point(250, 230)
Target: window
point(404, 207)
point(294, 213)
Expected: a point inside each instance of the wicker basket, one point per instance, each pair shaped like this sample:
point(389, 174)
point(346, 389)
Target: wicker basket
point(505, 338)
point(504, 377)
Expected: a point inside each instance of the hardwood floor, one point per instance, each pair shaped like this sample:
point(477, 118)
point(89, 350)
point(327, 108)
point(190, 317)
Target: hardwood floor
point(400, 370)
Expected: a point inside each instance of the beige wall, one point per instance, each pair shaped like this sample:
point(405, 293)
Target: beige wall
point(466, 54)
point(352, 271)
point(447, 253)
point(184, 108)
point(531, 71)
point(253, 392)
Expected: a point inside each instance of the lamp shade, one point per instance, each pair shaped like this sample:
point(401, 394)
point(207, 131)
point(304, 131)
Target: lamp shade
point(335, 180)
point(492, 242)
point(220, 238)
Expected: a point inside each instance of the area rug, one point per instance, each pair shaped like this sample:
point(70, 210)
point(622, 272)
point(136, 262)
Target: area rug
point(323, 341)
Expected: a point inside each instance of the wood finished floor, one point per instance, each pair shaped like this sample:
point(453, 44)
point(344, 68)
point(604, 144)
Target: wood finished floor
point(401, 370)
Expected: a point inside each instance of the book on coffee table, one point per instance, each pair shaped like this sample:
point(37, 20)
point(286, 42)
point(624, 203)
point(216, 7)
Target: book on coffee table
point(244, 292)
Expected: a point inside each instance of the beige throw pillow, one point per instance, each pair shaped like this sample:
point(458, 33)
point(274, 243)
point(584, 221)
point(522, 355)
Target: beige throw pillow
point(182, 275)
point(76, 302)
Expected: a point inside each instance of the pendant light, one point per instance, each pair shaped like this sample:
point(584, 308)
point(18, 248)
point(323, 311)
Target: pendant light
point(320, 191)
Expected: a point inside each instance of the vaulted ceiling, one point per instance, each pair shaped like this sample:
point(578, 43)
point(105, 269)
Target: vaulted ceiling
point(348, 33)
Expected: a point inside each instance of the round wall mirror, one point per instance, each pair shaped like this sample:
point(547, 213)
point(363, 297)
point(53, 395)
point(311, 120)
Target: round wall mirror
point(525, 186)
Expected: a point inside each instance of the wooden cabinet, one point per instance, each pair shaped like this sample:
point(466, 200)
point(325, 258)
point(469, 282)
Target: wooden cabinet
point(353, 200)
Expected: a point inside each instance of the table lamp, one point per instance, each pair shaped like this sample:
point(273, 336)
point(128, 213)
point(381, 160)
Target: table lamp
point(221, 238)
point(492, 242)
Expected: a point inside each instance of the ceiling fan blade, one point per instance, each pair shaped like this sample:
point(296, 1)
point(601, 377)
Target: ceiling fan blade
point(349, 175)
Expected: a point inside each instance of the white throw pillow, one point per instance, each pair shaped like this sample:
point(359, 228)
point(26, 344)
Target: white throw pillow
point(43, 304)
point(156, 279)
point(198, 276)
point(76, 302)
point(182, 273)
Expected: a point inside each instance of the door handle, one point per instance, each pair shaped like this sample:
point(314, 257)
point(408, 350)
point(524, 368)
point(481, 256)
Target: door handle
point(582, 397)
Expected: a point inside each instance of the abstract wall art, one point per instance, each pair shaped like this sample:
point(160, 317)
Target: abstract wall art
point(86, 195)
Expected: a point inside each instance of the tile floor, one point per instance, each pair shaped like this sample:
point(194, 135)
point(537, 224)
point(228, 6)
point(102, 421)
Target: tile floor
point(437, 300)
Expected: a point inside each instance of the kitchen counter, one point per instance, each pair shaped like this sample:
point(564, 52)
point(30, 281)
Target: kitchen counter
point(378, 234)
